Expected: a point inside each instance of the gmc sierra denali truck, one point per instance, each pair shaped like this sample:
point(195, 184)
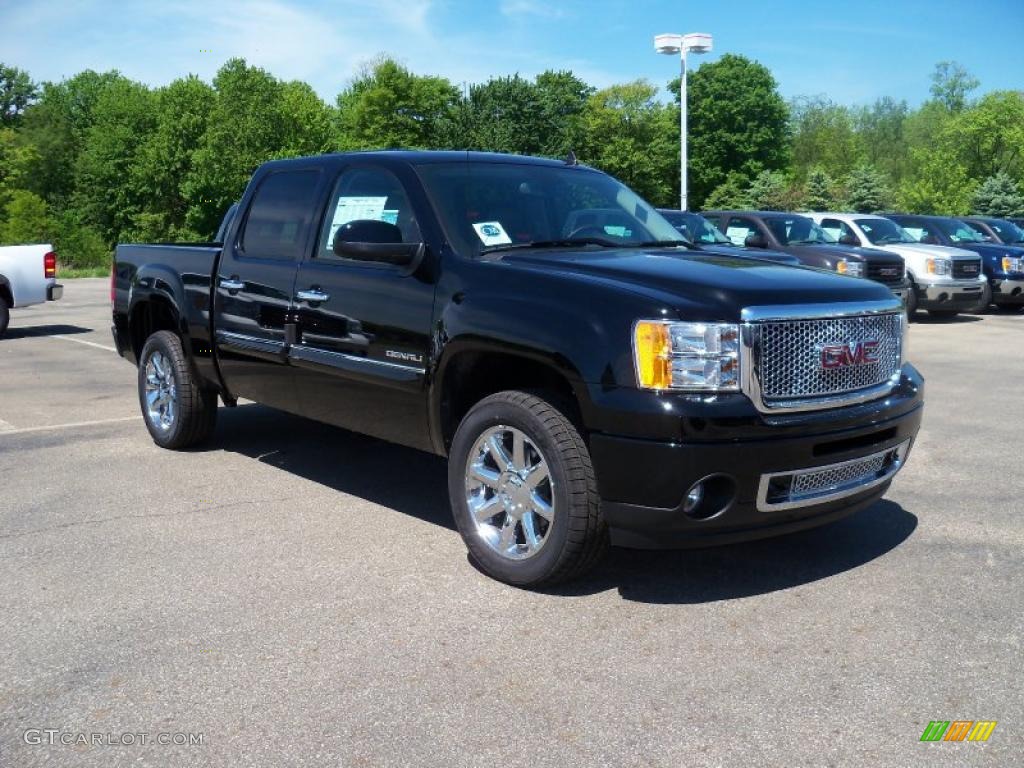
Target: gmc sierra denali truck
point(800, 236)
point(588, 378)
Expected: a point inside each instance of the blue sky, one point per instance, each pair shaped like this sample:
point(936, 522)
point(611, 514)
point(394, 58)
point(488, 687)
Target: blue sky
point(854, 55)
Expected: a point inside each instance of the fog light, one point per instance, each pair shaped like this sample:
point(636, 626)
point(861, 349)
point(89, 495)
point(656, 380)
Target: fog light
point(693, 498)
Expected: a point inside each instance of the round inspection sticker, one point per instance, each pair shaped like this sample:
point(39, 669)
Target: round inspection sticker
point(491, 233)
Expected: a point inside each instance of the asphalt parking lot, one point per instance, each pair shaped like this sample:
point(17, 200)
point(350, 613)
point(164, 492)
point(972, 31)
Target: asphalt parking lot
point(297, 595)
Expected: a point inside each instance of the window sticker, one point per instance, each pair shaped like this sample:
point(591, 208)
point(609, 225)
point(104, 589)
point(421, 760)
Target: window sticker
point(391, 217)
point(355, 209)
point(915, 232)
point(738, 235)
point(491, 233)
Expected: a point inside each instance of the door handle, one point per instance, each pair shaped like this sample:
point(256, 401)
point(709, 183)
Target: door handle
point(313, 295)
point(231, 284)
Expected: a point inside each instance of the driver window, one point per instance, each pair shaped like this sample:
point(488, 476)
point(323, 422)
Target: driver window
point(367, 193)
point(835, 228)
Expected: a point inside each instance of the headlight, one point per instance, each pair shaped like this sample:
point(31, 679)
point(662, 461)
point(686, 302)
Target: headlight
point(851, 268)
point(1011, 264)
point(940, 266)
point(687, 356)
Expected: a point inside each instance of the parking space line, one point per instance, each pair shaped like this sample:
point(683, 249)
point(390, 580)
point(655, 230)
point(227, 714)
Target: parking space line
point(6, 426)
point(83, 341)
point(72, 425)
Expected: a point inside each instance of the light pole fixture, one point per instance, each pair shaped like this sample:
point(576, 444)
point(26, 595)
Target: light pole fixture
point(695, 42)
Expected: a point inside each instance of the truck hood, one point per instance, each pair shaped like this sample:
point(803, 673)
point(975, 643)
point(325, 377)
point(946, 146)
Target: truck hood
point(852, 252)
point(993, 251)
point(703, 286)
point(911, 250)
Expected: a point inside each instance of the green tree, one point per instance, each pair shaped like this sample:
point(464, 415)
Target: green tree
point(165, 160)
point(387, 106)
point(867, 191)
point(26, 220)
point(732, 194)
point(880, 131)
point(308, 121)
point(820, 191)
point(738, 123)
point(501, 115)
point(936, 184)
point(988, 137)
point(245, 128)
point(999, 196)
point(952, 84)
point(824, 136)
point(122, 119)
point(15, 158)
point(772, 191)
point(17, 91)
point(629, 134)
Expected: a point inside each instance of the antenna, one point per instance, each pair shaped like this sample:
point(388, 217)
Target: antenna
point(571, 158)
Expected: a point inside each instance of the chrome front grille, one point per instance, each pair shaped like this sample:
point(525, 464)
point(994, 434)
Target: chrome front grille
point(844, 355)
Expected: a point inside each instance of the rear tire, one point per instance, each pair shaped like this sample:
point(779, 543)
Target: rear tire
point(177, 411)
point(5, 315)
point(516, 530)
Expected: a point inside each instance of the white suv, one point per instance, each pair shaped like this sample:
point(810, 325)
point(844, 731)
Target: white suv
point(930, 268)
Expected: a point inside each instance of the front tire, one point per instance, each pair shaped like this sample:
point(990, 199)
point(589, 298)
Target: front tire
point(523, 492)
point(5, 315)
point(911, 303)
point(177, 411)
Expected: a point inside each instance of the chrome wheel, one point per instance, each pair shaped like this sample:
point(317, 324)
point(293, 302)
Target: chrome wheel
point(161, 392)
point(509, 492)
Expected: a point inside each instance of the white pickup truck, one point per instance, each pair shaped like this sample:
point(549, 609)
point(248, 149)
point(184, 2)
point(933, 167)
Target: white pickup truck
point(28, 275)
point(944, 280)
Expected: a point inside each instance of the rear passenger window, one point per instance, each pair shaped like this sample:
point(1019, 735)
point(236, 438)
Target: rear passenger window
point(280, 215)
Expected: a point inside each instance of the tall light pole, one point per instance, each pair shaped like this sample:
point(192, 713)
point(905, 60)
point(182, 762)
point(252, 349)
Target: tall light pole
point(695, 42)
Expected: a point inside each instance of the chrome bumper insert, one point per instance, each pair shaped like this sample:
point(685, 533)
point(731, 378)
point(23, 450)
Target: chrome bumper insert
point(816, 485)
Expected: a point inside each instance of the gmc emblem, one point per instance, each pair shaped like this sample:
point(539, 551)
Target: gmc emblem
point(889, 271)
point(970, 267)
point(845, 355)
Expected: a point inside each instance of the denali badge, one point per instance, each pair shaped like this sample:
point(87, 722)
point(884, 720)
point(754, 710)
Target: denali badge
point(845, 355)
point(411, 356)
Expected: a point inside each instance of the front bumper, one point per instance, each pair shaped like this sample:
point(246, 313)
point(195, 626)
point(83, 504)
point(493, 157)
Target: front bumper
point(644, 483)
point(950, 294)
point(54, 292)
point(1008, 291)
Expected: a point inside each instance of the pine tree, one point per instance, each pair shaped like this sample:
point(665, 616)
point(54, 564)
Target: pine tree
point(999, 196)
point(866, 190)
point(820, 191)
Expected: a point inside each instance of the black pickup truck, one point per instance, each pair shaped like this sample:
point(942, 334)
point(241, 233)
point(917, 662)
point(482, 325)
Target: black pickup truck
point(589, 377)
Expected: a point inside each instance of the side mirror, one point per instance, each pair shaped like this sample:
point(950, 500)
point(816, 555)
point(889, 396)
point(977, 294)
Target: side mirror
point(849, 239)
point(371, 240)
point(755, 240)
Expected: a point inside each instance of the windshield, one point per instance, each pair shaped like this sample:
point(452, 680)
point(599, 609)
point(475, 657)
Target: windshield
point(1008, 231)
point(797, 230)
point(959, 232)
point(884, 232)
point(496, 206)
point(695, 228)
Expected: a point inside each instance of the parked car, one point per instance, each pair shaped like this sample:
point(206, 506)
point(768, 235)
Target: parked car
point(540, 325)
point(28, 275)
point(993, 230)
point(705, 236)
point(1001, 265)
point(801, 237)
point(930, 268)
